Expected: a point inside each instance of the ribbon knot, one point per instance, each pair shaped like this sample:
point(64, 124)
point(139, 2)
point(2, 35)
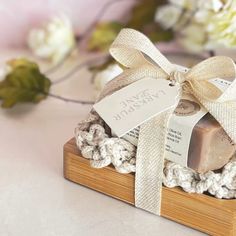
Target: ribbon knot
point(177, 77)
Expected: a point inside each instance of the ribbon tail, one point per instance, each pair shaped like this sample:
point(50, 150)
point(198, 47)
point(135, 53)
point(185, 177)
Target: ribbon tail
point(150, 163)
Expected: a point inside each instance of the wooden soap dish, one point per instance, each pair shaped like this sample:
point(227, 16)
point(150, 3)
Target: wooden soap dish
point(205, 213)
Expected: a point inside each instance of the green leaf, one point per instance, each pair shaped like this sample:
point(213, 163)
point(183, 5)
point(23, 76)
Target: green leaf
point(142, 14)
point(25, 83)
point(143, 19)
point(103, 35)
point(156, 36)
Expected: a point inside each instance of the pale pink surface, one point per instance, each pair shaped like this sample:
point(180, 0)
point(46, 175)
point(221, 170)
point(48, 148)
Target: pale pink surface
point(18, 16)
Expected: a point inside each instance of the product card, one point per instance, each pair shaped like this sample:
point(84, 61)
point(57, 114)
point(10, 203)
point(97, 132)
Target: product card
point(138, 102)
point(221, 83)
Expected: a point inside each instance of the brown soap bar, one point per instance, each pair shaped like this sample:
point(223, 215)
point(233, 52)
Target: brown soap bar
point(210, 147)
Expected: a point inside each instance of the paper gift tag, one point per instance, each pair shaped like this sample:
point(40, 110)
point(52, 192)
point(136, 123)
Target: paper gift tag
point(136, 103)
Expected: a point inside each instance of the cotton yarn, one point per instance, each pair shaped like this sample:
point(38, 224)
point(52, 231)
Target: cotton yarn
point(102, 150)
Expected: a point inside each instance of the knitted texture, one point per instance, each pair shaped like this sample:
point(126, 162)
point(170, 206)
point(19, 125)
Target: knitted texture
point(102, 150)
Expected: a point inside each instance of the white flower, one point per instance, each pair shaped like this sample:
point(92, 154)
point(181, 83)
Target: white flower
point(185, 4)
point(4, 71)
point(207, 9)
point(106, 75)
point(212, 5)
point(222, 29)
point(176, 14)
point(54, 41)
point(168, 15)
point(203, 24)
point(203, 16)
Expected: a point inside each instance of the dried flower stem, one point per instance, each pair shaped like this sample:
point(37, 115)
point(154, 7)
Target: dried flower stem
point(100, 14)
point(70, 100)
point(80, 66)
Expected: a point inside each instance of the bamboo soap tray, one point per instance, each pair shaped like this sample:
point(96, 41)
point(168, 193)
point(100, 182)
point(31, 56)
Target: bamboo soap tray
point(205, 213)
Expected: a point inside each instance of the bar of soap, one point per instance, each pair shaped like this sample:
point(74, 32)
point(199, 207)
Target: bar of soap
point(210, 147)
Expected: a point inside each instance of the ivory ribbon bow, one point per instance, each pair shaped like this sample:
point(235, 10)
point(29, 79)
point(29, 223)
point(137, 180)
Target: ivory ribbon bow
point(135, 51)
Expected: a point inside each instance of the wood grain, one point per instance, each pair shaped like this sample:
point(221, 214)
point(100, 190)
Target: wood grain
point(205, 213)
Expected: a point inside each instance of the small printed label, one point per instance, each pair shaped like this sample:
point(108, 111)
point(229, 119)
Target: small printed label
point(138, 102)
point(180, 128)
point(221, 83)
point(187, 107)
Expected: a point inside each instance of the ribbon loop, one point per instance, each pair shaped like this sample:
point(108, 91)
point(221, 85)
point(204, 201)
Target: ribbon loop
point(214, 67)
point(132, 49)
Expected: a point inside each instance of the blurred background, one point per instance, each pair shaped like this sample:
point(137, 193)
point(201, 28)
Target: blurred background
point(18, 17)
point(54, 62)
point(65, 34)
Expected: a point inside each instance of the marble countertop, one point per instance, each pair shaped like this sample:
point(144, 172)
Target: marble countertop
point(35, 199)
